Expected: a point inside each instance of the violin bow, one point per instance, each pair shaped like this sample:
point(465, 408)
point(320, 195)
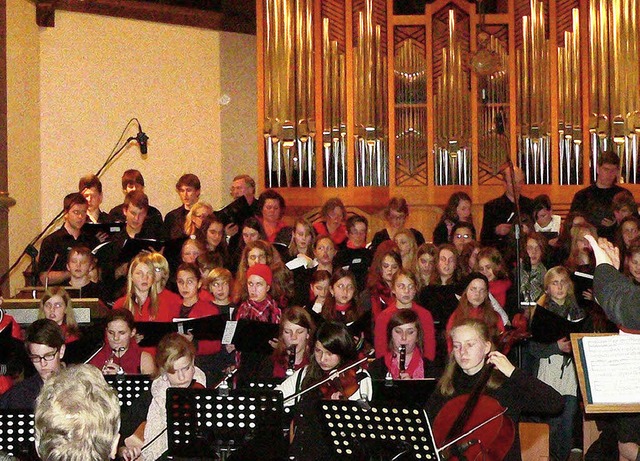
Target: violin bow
point(472, 430)
point(331, 376)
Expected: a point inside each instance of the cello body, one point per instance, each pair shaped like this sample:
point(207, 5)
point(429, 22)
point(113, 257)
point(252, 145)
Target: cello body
point(491, 442)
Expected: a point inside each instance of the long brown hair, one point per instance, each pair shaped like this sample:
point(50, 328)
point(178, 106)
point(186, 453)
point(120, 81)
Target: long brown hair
point(329, 311)
point(578, 232)
point(334, 337)
point(298, 316)
point(489, 316)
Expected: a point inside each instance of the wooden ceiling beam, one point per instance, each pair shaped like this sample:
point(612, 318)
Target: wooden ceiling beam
point(146, 11)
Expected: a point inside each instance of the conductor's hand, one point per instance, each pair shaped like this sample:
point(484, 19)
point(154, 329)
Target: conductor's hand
point(604, 251)
point(501, 362)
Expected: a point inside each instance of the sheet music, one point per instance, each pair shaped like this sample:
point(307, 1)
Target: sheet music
point(301, 262)
point(613, 368)
point(229, 331)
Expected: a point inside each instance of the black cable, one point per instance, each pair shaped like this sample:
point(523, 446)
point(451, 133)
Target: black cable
point(30, 248)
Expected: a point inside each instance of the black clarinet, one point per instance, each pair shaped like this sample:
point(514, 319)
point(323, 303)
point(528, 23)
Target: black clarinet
point(291, 363)
point(403, 358)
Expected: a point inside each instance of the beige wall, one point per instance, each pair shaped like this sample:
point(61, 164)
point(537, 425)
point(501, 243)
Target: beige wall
point(238, 118)
point(23, 127)
point(86, 77)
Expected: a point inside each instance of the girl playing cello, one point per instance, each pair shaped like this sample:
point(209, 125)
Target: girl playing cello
point(512, 388)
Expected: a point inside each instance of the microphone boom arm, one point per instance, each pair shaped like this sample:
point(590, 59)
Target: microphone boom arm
point(29, 249)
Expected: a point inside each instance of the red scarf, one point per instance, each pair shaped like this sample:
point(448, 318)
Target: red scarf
point(266, 310)
point(415, 368)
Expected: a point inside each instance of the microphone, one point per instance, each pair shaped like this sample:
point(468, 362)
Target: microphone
point(142, 139)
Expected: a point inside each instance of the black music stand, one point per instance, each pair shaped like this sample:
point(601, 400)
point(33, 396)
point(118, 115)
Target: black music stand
point(403, 392)
point(129, 387)
point(17, 434)
point(380, 432)
point(244, 425)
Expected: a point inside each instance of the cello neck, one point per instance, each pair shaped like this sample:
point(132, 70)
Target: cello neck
point(474, 395)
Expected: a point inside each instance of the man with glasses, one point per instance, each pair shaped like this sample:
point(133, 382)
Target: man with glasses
point(45, 347)
point(242, 185)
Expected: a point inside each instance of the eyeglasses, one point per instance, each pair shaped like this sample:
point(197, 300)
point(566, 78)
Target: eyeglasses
point(54, 305)
point(46, 357)
point(463, 236)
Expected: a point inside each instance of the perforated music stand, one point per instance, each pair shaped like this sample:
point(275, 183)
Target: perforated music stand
point(17, 434)
point(203, 424)
point(129, 387)
point(379, 431)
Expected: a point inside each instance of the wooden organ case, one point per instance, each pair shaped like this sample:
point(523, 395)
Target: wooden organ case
point(356, 102)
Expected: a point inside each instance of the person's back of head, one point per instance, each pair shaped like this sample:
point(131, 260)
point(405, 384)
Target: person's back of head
point(44, 331)
point(132, 177)
point(90, 181)
point(77, 417)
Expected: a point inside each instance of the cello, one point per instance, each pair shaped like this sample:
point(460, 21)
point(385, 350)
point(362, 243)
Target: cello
point(474, 426)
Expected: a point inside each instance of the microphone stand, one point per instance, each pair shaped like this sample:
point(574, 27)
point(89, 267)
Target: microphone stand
point(30, 249)
point(516, 233)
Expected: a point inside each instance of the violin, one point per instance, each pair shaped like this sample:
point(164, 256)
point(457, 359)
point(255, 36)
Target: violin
point(346, 384)
point(346, 387)
point(474, 426)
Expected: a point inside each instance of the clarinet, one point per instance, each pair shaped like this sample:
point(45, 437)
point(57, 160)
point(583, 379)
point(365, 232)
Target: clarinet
point(291, 362)
point(113, 357)
point(403, 358)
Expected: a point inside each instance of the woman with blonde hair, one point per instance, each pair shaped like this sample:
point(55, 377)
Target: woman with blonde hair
point(554, 361)
point(142, 293)
point(175, 361)
point(514, 389)
point(408, 247)
point(56, 305)
point(198, 212)
point(302, 239)
point(167, 299)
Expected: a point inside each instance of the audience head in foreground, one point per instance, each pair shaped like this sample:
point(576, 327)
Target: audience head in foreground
point(77, 417)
